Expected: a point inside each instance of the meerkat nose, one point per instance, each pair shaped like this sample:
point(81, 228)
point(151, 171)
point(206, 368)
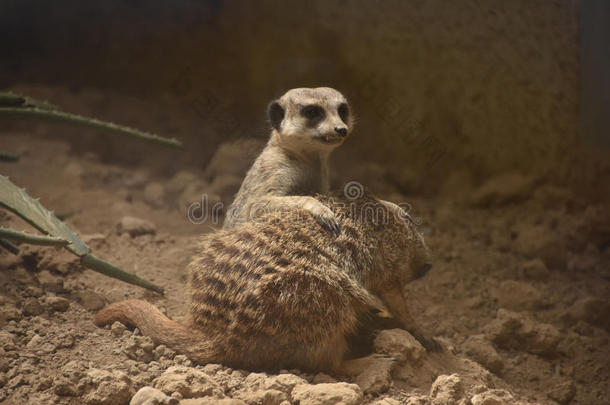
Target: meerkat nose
point(341, 131)
point(422, 270)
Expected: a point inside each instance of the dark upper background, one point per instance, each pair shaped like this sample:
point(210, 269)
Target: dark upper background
point(450, 92)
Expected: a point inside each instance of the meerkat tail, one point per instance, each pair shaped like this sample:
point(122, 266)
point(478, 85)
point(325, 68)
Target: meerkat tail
point(153, 323)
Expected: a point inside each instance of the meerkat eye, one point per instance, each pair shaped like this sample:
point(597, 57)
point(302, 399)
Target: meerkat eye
point(312, 112)
point(343, 111)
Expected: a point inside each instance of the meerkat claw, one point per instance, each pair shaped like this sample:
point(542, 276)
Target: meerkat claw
point(330, 224)
point(429, 343)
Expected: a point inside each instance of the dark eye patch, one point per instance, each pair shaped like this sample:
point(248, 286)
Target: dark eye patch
point(314, 113)
point(343, 111)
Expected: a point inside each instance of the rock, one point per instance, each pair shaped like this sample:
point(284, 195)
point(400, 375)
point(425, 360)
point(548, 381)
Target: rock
point(189, 382)
point(592, 310)
point(376, 376)
point(492, 397)
point(585, 262)
point(563, 392)
point(446, 390)
point(7, 340)
point(518, 296)
point(109, 388)
point(36, 340)
point(91, 300)
point(386, 401)
point(327, 394)
point(210, 369)
point(17, 381)
point(135, 227)
point(59, 261)
point(483, 352)
point(502, 190)
point(151, 396)
point(225, 186)
point(181, 359)
point(260, 389)
point(283, 382)
point(10, 261)
point(418, 400)
point(50, 282)
point(64, 388)
point(552, 197)
point(32, 291)
point(74, 370)
point(516, 331)
point(4, 363)
point(117, 329)
point(163, 351)
point(321, 378)
point(31, 307)
point(212, 401)
point(202, 206)
point(233, 158)
point(136, 179)
point(181, 181)
point(458, 186)
point(399, 344)
point(64, 341)
point(593, 227)
point(8, 313)
point(74, 170)
point(139, 348)
point(534, 269)
point(194, 193)
point(94, 239)
point(254, 381)
point(57, 304)
point(261, 397)
point(154, 195)
point(538, 241)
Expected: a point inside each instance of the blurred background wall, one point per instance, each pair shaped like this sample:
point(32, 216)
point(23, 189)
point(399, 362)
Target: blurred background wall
point(451, 92)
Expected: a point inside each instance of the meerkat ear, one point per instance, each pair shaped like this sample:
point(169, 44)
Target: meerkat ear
point(276, 114)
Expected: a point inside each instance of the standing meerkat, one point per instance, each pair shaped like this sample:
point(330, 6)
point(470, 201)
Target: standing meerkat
point(307, 125)
point(284, 293)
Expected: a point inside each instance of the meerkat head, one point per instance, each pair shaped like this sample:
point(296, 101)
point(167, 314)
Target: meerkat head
point(403, 249)
point(317, 118)
point(401, 252)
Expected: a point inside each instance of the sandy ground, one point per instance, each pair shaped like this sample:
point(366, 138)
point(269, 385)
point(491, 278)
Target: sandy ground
point(518, 294)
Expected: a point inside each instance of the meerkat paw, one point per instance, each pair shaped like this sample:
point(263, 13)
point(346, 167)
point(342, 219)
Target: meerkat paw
point(428, 342)
point(326, 218)
point(354, 367)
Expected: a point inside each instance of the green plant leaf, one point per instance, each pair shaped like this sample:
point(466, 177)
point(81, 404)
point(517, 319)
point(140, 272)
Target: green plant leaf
point(16, 236)
point(18, 201)
point(11, 99)
point(53, 116)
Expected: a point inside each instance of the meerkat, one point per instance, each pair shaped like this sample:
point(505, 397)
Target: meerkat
point(279, 293)
point(307, 125)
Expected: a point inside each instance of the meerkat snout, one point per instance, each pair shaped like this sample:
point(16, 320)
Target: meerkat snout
point(341, 131)
point(422, 270)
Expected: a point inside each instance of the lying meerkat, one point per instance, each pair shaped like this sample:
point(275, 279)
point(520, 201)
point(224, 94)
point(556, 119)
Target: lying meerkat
point(307, 125)
point(281, 293)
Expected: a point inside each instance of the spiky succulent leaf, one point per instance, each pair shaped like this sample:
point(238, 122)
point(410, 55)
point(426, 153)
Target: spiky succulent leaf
point(16, 236)
point(53, 116)
point(18, 201)
point(8, 99)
